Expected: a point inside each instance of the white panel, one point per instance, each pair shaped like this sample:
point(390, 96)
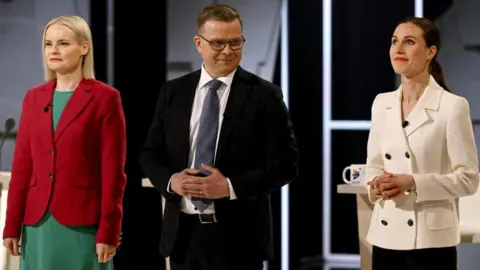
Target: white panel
point(285, 192)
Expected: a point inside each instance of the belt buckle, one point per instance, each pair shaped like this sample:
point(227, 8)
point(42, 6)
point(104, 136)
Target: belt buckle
point(207, 221)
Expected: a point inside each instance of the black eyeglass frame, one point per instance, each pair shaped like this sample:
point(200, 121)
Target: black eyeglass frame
point(223, 43)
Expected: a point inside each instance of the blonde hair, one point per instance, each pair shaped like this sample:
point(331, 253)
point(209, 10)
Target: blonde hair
point(83, 34)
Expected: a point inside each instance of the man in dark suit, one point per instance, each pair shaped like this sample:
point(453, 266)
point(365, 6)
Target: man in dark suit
point(221, 141)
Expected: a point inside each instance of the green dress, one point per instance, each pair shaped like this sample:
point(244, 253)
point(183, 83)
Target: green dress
point(48, 245)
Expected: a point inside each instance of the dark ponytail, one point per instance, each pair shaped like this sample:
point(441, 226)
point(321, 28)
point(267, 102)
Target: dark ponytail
point(432, 38)
point(436, 71)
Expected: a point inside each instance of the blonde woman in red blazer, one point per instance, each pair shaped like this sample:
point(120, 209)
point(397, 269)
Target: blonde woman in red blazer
point(67, 185)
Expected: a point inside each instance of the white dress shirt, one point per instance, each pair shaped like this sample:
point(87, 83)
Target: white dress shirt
point(200, 93)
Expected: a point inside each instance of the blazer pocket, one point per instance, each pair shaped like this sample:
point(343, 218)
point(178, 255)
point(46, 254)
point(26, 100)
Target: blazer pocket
point(33, 181)
point(438, 215)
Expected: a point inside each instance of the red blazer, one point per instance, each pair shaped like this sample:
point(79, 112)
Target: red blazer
point(78, 171)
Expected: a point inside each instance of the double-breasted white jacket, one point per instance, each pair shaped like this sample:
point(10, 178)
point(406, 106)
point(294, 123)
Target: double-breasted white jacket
point(438, 149)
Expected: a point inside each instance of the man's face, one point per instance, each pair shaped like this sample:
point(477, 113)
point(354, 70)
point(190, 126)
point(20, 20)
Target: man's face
point(220, 59)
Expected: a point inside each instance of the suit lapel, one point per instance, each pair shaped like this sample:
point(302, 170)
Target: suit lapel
point(430, 100)
point(184, 96)
point(393, 123)
point(239, 91)
point(44, 116)
point(418, 117)
point(79, 100)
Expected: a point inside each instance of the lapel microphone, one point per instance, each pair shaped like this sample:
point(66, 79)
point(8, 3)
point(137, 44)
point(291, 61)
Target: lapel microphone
point(405, 124)
point(47, 107)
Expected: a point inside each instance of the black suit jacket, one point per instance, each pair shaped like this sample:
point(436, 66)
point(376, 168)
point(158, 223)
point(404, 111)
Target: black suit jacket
point(257, 151)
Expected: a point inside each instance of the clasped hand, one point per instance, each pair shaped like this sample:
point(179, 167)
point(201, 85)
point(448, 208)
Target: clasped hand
point(189, 183)
point(390, 185)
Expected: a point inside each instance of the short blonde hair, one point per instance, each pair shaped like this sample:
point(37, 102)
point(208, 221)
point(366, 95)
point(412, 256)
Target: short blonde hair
point(82, 31)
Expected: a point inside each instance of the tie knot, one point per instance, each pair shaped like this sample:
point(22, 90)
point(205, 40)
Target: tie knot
point(215, 84)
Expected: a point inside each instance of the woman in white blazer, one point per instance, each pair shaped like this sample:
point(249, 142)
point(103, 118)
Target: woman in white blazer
point(421, 157)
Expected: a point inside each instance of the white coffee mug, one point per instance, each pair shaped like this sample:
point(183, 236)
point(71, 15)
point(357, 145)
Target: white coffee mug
point(356, 174)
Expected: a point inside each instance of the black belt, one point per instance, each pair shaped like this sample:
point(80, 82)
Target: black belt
point(200, 218)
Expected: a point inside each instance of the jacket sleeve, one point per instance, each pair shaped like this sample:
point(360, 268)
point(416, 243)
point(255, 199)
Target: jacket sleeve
point(281, 166)
point(22, 168)
point(462, 153)
point(374, 165)
point(113, 154)
point(153, 157)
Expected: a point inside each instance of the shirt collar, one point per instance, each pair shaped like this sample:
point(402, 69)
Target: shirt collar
point(206, 78)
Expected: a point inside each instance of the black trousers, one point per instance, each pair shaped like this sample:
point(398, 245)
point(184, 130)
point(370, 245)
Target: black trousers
point(207, 247)
point(420, 259)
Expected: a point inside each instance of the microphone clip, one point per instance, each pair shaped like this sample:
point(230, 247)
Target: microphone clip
point(47, 107)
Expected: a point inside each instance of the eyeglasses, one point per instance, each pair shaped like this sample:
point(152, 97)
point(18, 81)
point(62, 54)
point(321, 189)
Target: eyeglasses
point(219, 45)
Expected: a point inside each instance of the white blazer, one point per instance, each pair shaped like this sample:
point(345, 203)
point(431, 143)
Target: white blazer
point(438, 149)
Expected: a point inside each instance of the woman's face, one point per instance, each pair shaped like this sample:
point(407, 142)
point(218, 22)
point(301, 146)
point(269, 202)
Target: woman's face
point(63, 52)
point(409, 53)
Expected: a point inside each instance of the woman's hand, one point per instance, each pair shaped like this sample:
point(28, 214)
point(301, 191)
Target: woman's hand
point(12, 245)
point(105, 252)
point(390, 185)
point(376, 192)
point(383, 188)
point(404, 182)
